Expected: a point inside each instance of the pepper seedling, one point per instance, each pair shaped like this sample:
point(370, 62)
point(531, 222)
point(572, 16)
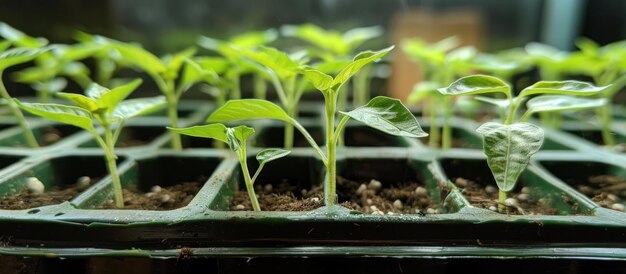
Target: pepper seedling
point(382, 113)
point(510, 144)
point(333, 45)
point(104, 107)
point(236, 138)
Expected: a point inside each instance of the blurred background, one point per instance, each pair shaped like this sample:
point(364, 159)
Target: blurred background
point(166, 25)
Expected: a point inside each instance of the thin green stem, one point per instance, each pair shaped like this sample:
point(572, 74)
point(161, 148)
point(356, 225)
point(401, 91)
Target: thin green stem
point(118, 131)
point(501, 201)
point(434, 134)
point(330, 191)
point(243, 160)
point(260, 86)
point(361, 86)
point(235, 91)
point(109, 156)
point(340, 126)
point(605, 118)
point(292, 110)
point(446, 131)
point(310, 139)
point(31, 141)
point(172, 114)
point(257, 172)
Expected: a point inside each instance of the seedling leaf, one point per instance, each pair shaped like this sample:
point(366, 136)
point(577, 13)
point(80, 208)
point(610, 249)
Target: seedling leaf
point(236, 137)
point(214, 131)
point(271, 154)
point(139, 106)
point(360, 60)
point(508, 149)
point(75, 116)
point(320, 80)
point(16, 56)
point(388, 115)
point(563, 87)
point(476, 84)
point(247, 109)
point(562, 103)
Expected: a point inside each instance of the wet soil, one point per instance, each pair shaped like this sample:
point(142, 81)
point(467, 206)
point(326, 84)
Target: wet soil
point(30, 199)
point(157, 198)
point(606, 190)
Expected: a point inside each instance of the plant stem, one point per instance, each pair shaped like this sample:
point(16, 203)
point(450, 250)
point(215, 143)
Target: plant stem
point(172, 114)
point(243, 160)
point(109, 156)
point(605, 118)
point(433, 134)
point(446, 132)
point(31, 141)
point(291, 108)
point(260, 87)
point(361, 86)
point(330, 196)
point(501, 201)
point(235, 92)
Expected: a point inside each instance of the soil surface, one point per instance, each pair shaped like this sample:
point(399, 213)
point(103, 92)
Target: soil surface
point(29, 199)
point(606, 190)
point(158, 198)
point(519, 203)
point(368, 197)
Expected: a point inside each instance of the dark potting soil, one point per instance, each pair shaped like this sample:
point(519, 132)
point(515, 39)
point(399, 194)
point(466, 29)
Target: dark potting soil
point(27, 199)
point(606, 190)
point(368, 197)
point(486, 197)
point(167, 198)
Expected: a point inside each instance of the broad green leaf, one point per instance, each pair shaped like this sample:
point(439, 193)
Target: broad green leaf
point(139, 58)
point(563, 87)
point(318, 79)
point(423, 90)
point(53, 86)
point(500, 103)
point(34, 74)
point(587, 46)
point(218, 64)
point(174, 62)
point(193, 73)
point(213, 131)
point(277, 61)
point(236, 137)
point(508, 149)
point(332, 41)
point(360, 60)
point(80, 100)
point(271, 154)
point(388, 115)
point(476, 84)
point(77, 52)
point(16, 56)
point(110, 99)
point(332, 66)
point(545, 52)
point(254, 38)
point(136, 107)
point(5, 45)
point(562, 103)
point(355, 37)
point(19, 38)
point(247, 109)
point(95, 91)
point(63, 114)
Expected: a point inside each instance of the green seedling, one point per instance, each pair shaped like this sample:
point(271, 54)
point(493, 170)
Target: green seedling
point(382, 113)
point(236, 138)
point(229, 49)
point(510, 144)
point(9, 58)
point(104, 107)
point(334, 46)
point(439, 63)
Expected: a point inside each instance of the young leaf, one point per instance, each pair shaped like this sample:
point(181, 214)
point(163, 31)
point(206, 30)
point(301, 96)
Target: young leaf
point(237, 136)
point(254, 38)
point(19, 38)
point(508, 149)
point(360, 60)
point(423, 90)
point(320, 80)
point(80, 100)
point(563, 87)
point(136, 107)
point(271, 154)
point(328, 40)
point(274, 59)
point(562, 103)
point(500, 103)
point(63, 114)
point(476, 84)
point(16, 56)
point(139, 57)
point(214, 131)
point(110, 98)
point(53, 86)
point(246, 109)
point(388, 115)
point(357, 36)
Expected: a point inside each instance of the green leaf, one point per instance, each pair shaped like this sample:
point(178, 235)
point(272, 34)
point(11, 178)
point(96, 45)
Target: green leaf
point(213, 131)
point(54, 86)
point(63, 114)
point(193, 73)
point(476, 84)
point(328, 40)
point(318, 79)
point(562, 103)
point(360, 60)
point(271, 154)
point(508, 149)
point(80, 100)
point(357, 36)
point(5, 45)
point(247, 109)
point(563, 87)
point(218, 64)
point(111, 98)
point(95, 91)
point(277, 61)
point(77, 52)
point(236, 137)
point(254, 38)
point(175, 62)
point(423, 90)
point(136, 107)
point(500, 103)
point(139, 58)
point(16, 56)
point(19, 38)
point(388, 115)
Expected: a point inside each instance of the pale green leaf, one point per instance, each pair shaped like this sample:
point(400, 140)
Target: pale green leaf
point(60, 113)
point(19, 38)
point(500, 103)
point(360, 60)
point(563, 103)
point(53, 86)
point(570, 87)
point(508, 149)
point(5, 45)
point(213, 131)
point(277, 61)
point(140, 58)
point(254, 38)
point(422, 90)
point(271, 154)
point(16, 56)
point(174, 62)
point(111, 98)
point(80, 100)
point(388, 115)
point(236, 137)
point(329, 40)
point(247, 109)
point(135, 107)
point(77, 52)
point(355, 37)
point(318, 79)
point(476, 84)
